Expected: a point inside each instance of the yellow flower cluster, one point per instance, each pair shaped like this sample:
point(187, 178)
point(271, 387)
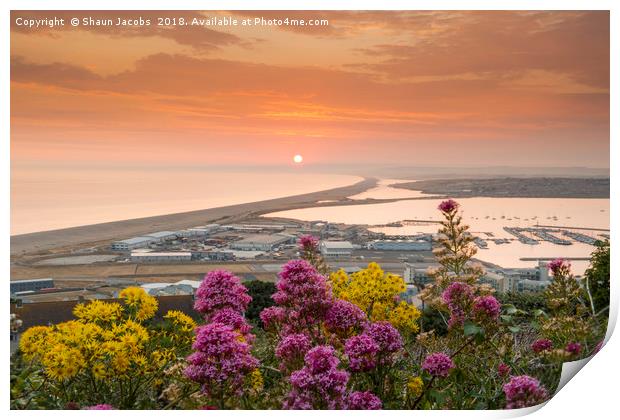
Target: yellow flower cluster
point(106, 341)
point(256, 380)
point(415, 386)
point(376, 293)
point(98, 311)
point(183, 327)
point(141, 304)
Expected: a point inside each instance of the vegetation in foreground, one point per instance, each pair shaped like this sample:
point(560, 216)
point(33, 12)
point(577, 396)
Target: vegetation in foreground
point(323, 340)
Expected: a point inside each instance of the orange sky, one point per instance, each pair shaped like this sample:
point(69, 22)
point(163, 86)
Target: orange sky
point(419, 88)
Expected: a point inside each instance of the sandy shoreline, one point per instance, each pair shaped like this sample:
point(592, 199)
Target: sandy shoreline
point(92, 235)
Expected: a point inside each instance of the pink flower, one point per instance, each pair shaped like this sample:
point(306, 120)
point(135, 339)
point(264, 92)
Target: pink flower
point(363, 401)
point(291, 351)
point(458, 296)
point(448, 206)
point(573, 348)
point(221, 289)
point(541, 345)
point(487, 307)
point(309, 243)
point(101, 407)
point(222, 358)
point(344, 318)
point(558, 265)
point(304, 294)
point(235, 320)
point(386, 336)
point(524, 391)
point(361, 351)
point(503, 369)
point(272, 317)
point(438, 364)
point(319, 384)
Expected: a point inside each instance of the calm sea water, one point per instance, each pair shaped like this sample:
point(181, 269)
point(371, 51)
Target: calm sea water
point(484, 215)
point(45, 200)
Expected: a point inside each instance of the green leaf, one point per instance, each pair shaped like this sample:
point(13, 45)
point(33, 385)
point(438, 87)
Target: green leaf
point(471, 329)
point(511, 309)
point(514, 329)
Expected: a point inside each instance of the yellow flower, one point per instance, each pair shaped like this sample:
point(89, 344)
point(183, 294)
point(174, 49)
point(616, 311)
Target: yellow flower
point(377, 293)
point(98, 311)
point(182, 322)
point(415, 386)
point(256, 380)
point(62, 362)
point(140, 303)
point(34, 340)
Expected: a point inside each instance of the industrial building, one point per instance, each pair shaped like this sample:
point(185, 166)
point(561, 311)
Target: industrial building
point(336, 248)
point(414, 244)
point(132, 243)
point(263, 243)
point(32, 285)
point(139, 256)
point(143, 241)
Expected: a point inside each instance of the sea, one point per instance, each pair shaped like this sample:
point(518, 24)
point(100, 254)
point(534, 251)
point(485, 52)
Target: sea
point(44, 199)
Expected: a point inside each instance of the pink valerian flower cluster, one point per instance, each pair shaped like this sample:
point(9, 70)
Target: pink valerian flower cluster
point(559, 266)
point(573, 348)
point(222, 358)
point(304, 293)
point(319, 384)
point(344, 318)
point(487, 308)
point(363, 400)
point(291, 351)
point(309, 243)
point(541, 345)
point(101, 407)
point(361, 350)
point(273, 318)
point(503, 369)
point(448, 206)
point(438, 364)
point(386, 336)
point(458, 296)
point(235, 320)
point(524, 391)
point(221, 289)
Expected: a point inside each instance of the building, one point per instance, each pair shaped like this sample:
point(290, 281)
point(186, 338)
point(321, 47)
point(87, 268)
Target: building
point(164, 235)
point(32, 285)
point(414, 244)
point(336, 248)
point(417, 273)
point(139, 256)
point(132, 243)
point(263, 243)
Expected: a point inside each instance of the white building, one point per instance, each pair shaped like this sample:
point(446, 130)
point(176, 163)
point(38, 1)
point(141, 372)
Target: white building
point(132, 243)
point(336, 248)
point(160, 256)
point(164, 235)
point(263, 243)
point(401, 245)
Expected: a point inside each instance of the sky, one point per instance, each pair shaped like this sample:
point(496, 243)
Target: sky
point(376, 88)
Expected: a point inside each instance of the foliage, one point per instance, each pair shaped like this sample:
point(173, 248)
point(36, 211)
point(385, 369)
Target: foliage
point(261, 292)
point(597, 277)
point(111, 353)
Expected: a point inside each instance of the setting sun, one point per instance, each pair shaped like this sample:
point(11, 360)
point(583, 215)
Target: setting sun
point(298, 158)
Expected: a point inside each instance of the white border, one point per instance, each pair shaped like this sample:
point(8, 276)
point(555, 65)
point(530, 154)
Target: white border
point(591, 394)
